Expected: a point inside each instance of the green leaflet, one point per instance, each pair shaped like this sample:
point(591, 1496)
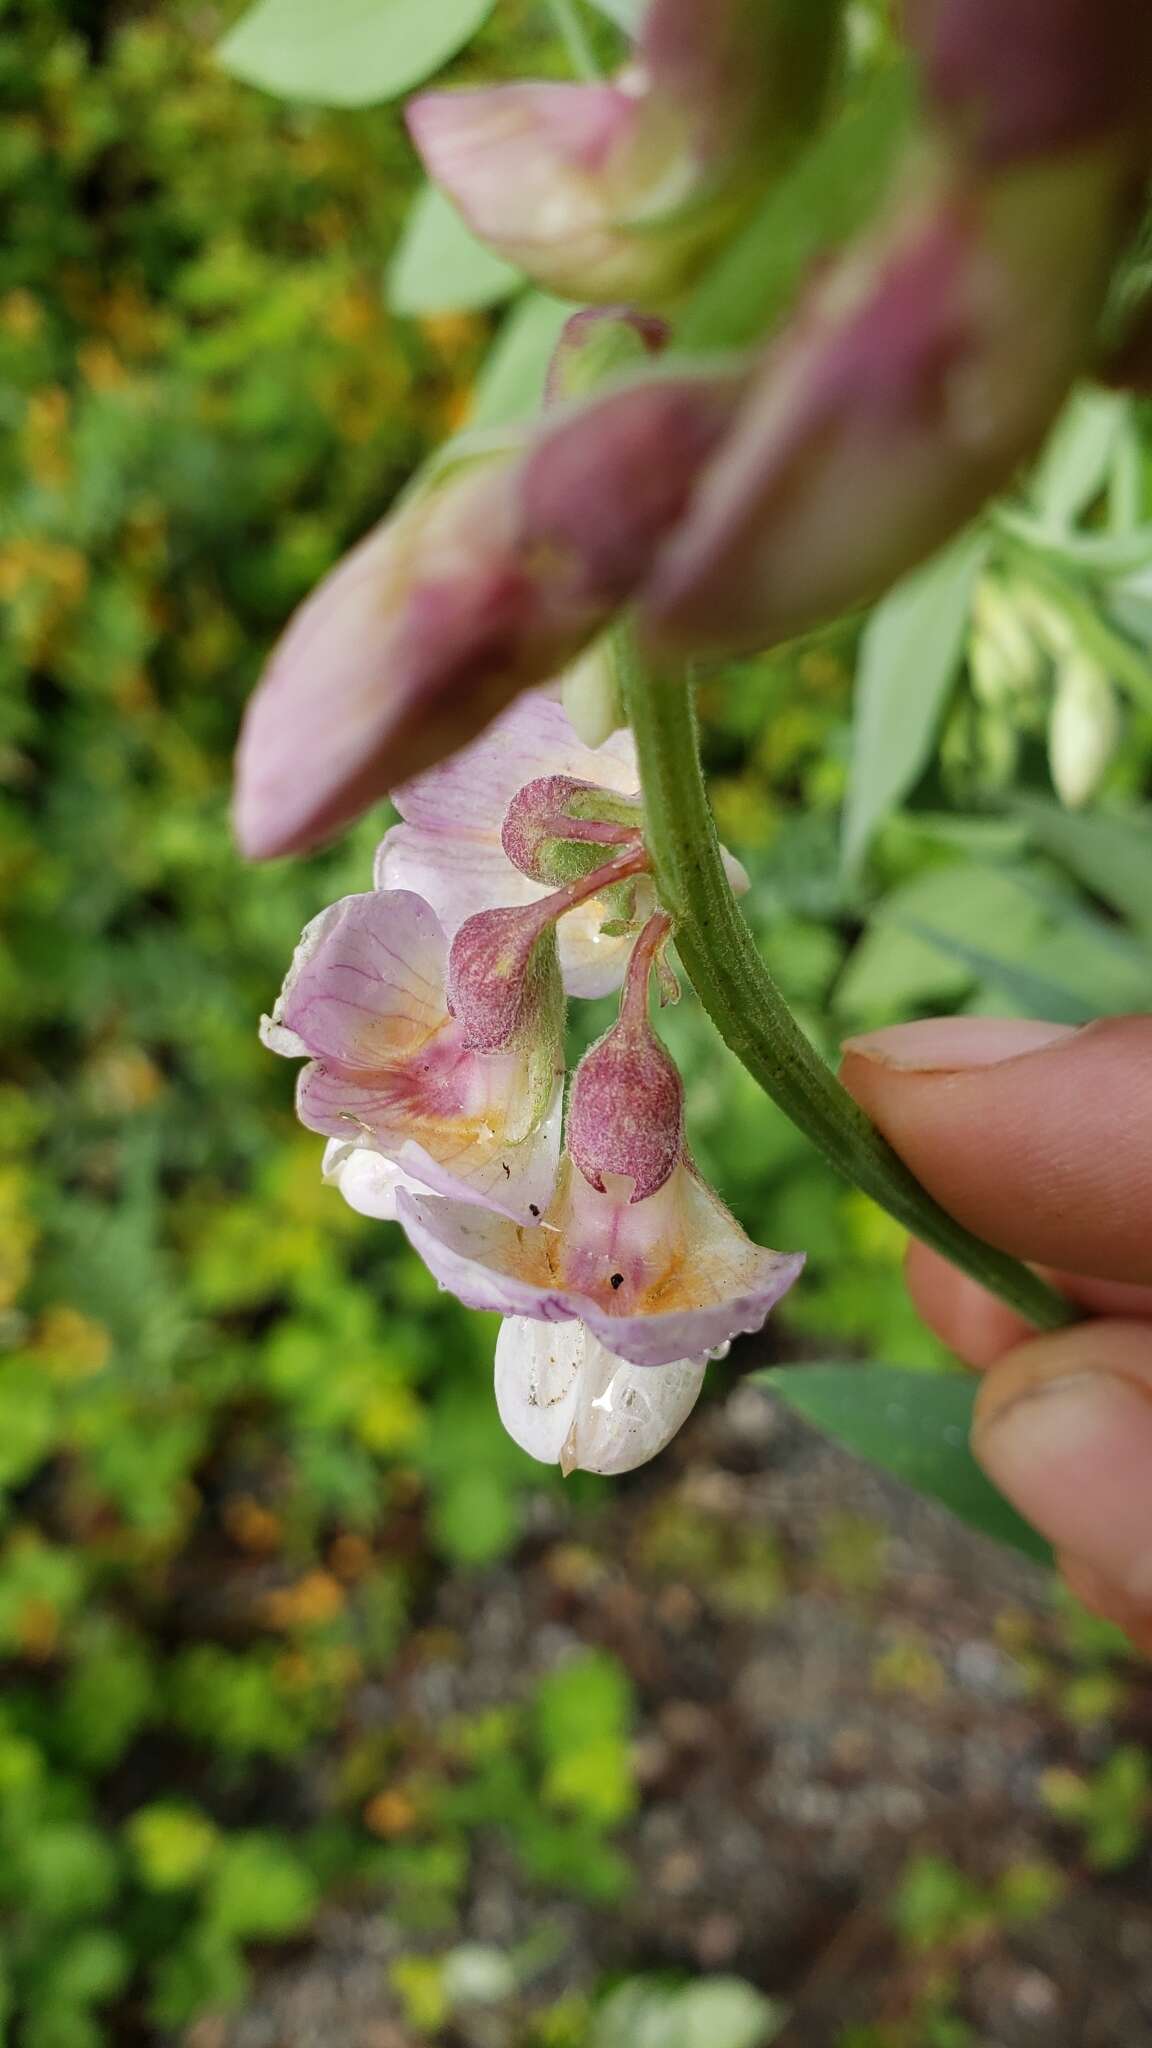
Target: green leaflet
point(439, 266)
point(348, 53)
point(1077, 461)
point(1111, 856)
point(910, 656)
point(1034, 995)
point(914, 1425)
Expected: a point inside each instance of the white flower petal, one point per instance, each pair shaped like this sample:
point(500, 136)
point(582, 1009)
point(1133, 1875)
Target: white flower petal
point(367, 1181)
point(567, 1400)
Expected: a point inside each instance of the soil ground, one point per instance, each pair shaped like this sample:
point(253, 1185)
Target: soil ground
point(833, 1677)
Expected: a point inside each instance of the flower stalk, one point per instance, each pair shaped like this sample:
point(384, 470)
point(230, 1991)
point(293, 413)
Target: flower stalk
point(737, 991)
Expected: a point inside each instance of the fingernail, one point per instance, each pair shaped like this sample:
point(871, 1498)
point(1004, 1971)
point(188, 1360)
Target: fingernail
point(1075, 1456)
point(944, 1045)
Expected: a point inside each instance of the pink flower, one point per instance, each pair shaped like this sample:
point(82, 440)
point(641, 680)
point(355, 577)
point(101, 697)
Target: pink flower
point(657, 1281)
point(620, 191)
point(450, 850)
point(390, 1078)
point(406, 649)
point(568, 1401)
point(491, 576)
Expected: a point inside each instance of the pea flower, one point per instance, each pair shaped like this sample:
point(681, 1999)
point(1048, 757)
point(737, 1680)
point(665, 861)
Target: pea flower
point(391, 1080)
point(492, 575)
point(450, 846)
point(633, 1245)
point(621, 190)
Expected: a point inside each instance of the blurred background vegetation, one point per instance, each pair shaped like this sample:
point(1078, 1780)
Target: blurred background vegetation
point(256, 1506)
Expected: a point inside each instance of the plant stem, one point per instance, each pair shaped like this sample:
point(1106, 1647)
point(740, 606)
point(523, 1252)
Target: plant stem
point(748, 1010)
point(566, 15)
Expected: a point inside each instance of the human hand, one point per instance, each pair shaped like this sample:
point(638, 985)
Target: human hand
point(1039, 1138)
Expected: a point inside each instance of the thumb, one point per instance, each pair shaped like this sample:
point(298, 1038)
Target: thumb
point(1040, 1139)
point(1064, 1428)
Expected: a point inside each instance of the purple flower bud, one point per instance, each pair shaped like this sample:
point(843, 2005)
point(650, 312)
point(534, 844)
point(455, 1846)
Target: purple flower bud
point(604, 484)
point(556, 828)
point(406, 649)
point(1024, 78)
point(497, 961)
point(626, 1109)
point(499, 968)
point(490, 578)
point(922, 370)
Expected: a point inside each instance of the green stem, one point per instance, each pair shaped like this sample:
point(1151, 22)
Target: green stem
point(581, 56)
point(748, 1010)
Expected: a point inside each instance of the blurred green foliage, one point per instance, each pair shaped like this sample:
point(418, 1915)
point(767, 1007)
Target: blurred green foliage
point(239, 1427)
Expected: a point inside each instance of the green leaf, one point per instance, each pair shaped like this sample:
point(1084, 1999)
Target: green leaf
point(439, 265)
point(891, 972)
point(1034, 994)
point(910, 656)
point(1111, 856)
point(474, 1517)
point(914, 1425)
point(1075, 465)
point(834, 187)
point(1101, 554)
point(625, 13)
point(347, 53)
point(260, 1889)
point(510, 386)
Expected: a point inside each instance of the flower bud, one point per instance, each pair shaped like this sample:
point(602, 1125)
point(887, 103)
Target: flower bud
point(1004, 659)
point(921, 372)
point(604, 484)
point(556, 828)
point(626, 1111)
point(1022, 78)
point(592, 694)
point(626, 1108)
point(489, 578)
point(500, 963)
point(1084, 730)
point(404, 651)
point(622, 190)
